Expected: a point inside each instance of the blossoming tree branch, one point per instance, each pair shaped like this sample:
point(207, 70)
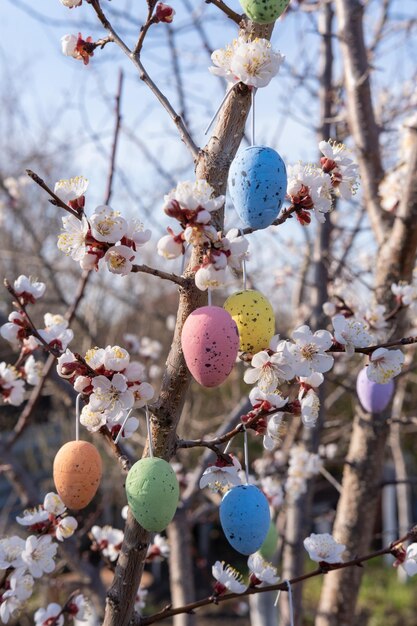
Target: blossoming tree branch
point(288, 373)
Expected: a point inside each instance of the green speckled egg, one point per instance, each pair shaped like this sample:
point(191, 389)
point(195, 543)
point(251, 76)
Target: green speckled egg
point(264, 11)
point(152, 493)
point(254, 317)
point(269, 546)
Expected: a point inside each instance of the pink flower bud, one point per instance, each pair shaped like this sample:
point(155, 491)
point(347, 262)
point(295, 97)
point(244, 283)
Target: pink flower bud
point(164, 13)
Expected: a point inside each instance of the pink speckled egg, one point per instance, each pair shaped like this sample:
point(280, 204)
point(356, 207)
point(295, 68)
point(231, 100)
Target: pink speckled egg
point(210, 342)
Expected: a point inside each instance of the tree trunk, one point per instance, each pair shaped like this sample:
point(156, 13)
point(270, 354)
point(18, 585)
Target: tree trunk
point(181, 574)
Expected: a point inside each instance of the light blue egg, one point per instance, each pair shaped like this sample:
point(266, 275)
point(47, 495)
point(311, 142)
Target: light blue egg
point(257, 185)
point(245, 518)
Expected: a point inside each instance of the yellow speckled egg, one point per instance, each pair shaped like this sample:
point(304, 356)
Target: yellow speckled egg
point(254, 317)
point(77, 473)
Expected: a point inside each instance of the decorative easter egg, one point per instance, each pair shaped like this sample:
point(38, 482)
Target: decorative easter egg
point(374, 397)
point(269, 546)
point(257, 185)
point(245, 518)
point(264, 11)
point(254, 317)
point(77, 472)
point(152, 493)
point(210, 342)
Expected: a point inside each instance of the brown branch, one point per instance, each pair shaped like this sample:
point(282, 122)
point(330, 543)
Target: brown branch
point(323, 568)
point(118, 119)
point(174, 278)
point(235, 17)
point(55, 200)
point(135, 58)
point(283, 217)
point(143, 31)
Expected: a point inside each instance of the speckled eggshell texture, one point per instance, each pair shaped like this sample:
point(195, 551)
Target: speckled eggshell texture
point(264, 11)
point(210, 342)
point(374, 397)
point(254, 317)
point(245, 518)
point(77, 472)
point(257, 185)
point(152, 493)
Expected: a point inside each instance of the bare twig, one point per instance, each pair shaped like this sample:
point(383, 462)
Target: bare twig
point(235, 17)
point(55, 200)
point(174, 278)
point(117, 121)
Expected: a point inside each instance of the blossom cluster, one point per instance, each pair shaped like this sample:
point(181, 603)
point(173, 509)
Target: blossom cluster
point(78, 48)
point(302, 466)
point(252, 62)
point(26, 560)
point(77, 608)
point(310, 188)
point(113, 385)
point(191, 204)
point(261, 573)
point(20, 333)
point(105, 235)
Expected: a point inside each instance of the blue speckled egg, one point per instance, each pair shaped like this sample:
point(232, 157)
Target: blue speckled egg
point(257, 185)
point(245, 518)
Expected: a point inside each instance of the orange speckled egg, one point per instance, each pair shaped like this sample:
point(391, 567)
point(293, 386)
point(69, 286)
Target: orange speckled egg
point(77, 473)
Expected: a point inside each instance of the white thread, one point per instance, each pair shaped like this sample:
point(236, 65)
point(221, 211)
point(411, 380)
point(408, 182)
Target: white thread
point(148, 428)
point(77, 417)
point(229, 443)
point(119, 434)
point(244, 276)
point(218, 110)
point(253, 92)
point(183, 259)
point(246, 453)
point(290, 602)
point(209, 297)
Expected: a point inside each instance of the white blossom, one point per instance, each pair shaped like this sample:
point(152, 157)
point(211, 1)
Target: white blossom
point(228, 578)
point(39, 555)
point(260, 571)
point(158, 549)
point(143, 393)
point(56, 331)
point(136, 234)
point(170, 246)
point(111, 396)
point(109, 540)
point(66, 358)
point(384, 365)
point(329, 308)
point(72, 240)
point(66, 528)
point(107, 225)
point(33, 516)
point(71, 3)
point(79, 608)
point(69, 45)
point(254, 63)
point(302, 466)
point(351, 333)
point(221, 477)
point(71, 189)
point(238, 246)
point(9, 603)
point(309, 351)
point(269, 401)
point(410, 562)
point(310, 407)
point(21, 584)
point(140, 600)
point(33, 370)
point(11, 549)
point(324, 547)
point(92, 420)
point(15, 329)
point(391, 188)
point(193, 195)
point(53, 504)
point(268, 370)
point(115, 358)
point(11, 387)
point(273, 433)
point(210, 278)
point(120, 259)
point(29, 288)
point(44, 617)
point(273, 491)
point(95, 358)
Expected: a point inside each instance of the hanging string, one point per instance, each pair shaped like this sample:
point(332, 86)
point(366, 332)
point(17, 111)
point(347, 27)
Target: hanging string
point(218, 110)
point(119, 434)
point(253, 92)
point(148, 428)
point(246, 453)
point(183, 259)
point(209, 296)
point(77, 417)
point(244, 275)
point(229, 443)
point(290, 601)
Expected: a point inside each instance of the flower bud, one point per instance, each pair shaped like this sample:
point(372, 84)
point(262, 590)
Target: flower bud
point(164, 13)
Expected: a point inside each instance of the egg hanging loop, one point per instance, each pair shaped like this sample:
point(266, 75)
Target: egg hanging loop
point(148, 428)
point(77, 417)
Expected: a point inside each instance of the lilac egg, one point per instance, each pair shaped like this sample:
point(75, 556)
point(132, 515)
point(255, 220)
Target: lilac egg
point(210, 342)
point(374, 397)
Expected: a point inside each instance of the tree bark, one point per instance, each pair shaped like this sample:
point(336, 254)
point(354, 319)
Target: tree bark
point(213, 165)
point(181, 572)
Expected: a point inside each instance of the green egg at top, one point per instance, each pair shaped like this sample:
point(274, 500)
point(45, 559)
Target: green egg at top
point(264, 11)
point(254, 317)
point(152, 493)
